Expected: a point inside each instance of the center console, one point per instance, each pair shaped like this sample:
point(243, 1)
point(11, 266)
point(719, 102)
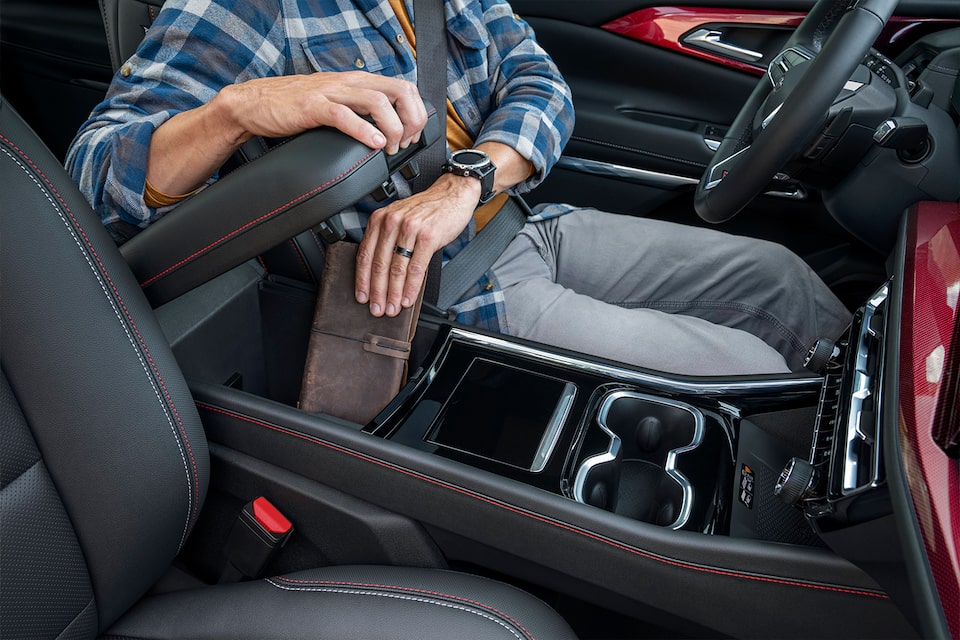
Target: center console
point(662, 451)
point(625, 487)
point(679, 454)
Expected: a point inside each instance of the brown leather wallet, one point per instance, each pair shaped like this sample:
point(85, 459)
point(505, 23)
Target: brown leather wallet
point(356, 363)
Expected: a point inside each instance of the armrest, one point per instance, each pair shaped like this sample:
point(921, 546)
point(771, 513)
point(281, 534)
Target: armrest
point(289, 189)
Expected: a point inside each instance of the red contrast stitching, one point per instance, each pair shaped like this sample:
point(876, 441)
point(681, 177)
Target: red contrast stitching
point(361, 585)
point(554, 523)
point(303, 261)
point(126, 312)
point(255, 222)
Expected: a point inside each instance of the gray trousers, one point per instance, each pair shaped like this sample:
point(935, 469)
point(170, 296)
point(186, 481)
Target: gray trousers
point(664, 296)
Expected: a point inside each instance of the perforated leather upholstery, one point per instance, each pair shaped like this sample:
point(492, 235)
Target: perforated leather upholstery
point(104, 464)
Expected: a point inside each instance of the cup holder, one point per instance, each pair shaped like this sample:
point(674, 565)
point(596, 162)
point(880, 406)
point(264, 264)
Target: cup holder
point(628, 458)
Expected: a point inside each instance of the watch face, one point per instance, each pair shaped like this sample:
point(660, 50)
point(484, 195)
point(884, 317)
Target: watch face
point(470, 158)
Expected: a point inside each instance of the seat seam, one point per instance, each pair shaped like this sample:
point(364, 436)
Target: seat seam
point(256, 221)
point(548, 520)
point(421, 596)
point(116, 299)
point(91, 603)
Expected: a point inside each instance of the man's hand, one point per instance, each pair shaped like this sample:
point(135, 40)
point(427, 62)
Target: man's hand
point(287, 105)
point(187, 149)
point(423, 223)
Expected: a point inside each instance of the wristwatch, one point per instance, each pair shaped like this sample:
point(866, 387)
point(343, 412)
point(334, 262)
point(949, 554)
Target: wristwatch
point(475, 164)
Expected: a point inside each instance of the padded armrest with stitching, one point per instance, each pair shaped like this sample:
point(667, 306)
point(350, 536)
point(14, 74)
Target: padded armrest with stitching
point(289, 189)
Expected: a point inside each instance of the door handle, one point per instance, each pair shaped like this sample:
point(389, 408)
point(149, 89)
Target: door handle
point(712, 40)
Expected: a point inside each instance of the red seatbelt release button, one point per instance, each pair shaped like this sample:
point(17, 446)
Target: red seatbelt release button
point(259, 532)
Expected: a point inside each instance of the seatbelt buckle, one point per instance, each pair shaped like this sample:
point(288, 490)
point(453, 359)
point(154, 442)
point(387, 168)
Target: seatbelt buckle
point(258, 534)
point(331, 229)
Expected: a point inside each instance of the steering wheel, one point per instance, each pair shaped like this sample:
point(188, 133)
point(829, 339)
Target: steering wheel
point(790, 102)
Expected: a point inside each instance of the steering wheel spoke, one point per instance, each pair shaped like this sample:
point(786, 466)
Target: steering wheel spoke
point(786, 111)
point(718, 171)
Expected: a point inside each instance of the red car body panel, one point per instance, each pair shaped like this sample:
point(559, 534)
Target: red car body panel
point(666, 26)
point(930, 354)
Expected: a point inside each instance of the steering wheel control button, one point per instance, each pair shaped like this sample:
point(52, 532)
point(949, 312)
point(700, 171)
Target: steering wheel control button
point(796, 482)
point(783, 63)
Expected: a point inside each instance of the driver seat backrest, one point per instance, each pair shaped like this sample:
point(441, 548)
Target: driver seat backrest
point(125, 23)
point(104, 465)
point(104, 461)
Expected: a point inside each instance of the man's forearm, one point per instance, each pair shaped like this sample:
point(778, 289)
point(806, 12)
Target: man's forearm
point(188, 148)
point(512, 168)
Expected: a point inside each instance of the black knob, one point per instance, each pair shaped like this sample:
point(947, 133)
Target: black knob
point(820, 354)
point(796, 482)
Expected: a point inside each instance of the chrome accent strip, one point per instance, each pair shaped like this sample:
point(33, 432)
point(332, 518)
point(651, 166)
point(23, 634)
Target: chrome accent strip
point(630, 174)
point(852, 85)
point(552, 433)
point(657, 382)
point(712, 144)
point(773, 114)
point(713, 181)
point(610, 455)
point(861, 391)
point(711, 40)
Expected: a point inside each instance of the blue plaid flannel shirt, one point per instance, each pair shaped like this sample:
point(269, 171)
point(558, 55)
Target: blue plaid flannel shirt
point(502, 84)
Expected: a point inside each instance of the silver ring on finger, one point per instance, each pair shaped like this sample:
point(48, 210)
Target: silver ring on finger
point(403, 251)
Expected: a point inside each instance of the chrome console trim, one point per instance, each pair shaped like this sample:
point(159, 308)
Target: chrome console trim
point(653, 381)
point(631, 174)
point(610, 455)
point(863, 388)
point(670, 465)
point(551, 435)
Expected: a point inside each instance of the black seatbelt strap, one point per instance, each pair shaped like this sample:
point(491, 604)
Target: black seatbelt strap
point(430, 29)
point(468, 266)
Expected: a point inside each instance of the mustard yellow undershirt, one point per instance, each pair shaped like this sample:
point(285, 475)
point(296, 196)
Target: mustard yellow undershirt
point(457, 135)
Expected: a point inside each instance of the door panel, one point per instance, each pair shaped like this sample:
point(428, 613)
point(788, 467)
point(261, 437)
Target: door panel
point(54, 65)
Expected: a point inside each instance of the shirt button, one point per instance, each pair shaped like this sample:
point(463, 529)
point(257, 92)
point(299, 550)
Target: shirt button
point(489, 287)
point(126, 70)
point(400, 38)
point(358, 63)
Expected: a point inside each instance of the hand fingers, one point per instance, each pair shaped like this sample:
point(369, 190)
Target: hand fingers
point(404, 102)
point(410, 261)
point(379, 258)
point(400, 249)
point(345, 119)
point(364, 263)
point(413, 114)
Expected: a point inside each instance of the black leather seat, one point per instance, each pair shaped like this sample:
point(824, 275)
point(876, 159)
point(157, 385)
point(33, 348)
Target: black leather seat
point(104, 464)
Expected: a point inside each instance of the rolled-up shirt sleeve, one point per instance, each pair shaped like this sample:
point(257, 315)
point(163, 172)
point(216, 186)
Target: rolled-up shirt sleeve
point(194, 50)
point(533, 109)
